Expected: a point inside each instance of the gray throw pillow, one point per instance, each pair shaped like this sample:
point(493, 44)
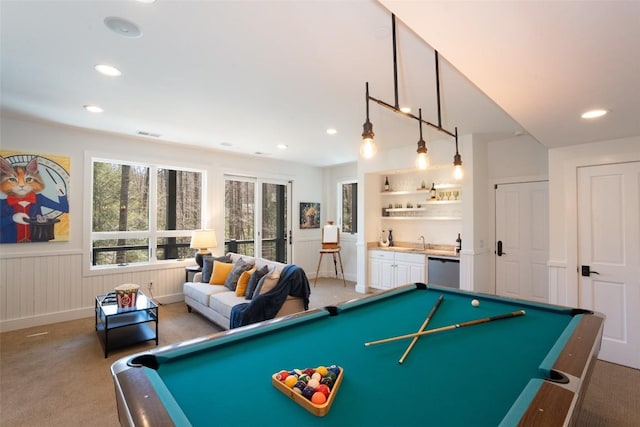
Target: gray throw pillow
point(254, 280)
point(207, 266)
point(238, 268)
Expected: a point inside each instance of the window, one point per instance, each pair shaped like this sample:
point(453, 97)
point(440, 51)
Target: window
point(143, 213)
point(348, 205)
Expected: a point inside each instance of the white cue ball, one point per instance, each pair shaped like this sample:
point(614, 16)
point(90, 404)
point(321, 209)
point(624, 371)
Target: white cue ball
point(475, 303)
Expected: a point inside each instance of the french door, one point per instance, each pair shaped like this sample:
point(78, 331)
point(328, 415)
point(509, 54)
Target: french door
point(257, 217)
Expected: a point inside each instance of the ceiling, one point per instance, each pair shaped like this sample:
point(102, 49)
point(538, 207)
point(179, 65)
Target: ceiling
point(247, 76)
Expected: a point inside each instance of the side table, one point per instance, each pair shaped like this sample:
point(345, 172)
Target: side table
point(191, 270)
point(119, 327)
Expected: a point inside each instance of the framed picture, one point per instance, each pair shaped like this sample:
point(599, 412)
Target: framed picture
point(309, 215)
point(34, 204)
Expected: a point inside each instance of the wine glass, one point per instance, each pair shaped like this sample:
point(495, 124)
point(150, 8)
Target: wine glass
point(456, 193)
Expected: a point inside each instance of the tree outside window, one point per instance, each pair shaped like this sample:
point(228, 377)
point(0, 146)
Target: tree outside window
point(143, 213)
point(349, 207)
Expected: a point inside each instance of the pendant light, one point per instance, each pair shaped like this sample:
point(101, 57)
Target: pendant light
point(422, 159)
point(457, 162)
point(368, 147)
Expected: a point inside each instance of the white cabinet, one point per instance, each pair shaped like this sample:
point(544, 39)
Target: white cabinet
point(389, 269)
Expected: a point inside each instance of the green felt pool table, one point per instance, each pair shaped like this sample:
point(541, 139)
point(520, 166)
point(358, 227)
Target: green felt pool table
point(529, 370)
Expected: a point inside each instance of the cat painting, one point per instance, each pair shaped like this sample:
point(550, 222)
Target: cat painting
point(21, 211)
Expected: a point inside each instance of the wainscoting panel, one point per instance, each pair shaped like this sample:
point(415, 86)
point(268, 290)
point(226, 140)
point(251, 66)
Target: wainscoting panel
point(558, 293)
point(306, 255)
point(48, 288)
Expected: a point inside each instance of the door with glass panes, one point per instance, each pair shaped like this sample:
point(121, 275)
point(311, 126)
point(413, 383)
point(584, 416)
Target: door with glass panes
point(257, 217)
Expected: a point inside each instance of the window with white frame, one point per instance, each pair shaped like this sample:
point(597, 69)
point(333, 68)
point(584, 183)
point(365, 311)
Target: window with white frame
point(348, 206)
point(143, 213)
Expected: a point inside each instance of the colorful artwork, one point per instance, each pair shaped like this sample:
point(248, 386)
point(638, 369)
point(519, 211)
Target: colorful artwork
point(309, 215)
point(34, 205)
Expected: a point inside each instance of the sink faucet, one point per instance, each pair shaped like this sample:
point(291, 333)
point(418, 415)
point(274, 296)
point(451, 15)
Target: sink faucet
point(424, 245)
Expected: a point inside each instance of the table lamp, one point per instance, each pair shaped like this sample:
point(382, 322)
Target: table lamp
point(203, 240)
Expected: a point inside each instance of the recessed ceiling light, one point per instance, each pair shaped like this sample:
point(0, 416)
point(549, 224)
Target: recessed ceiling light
point(282, 146)
point(108, 70)
point(146, 1)
point(405, 109)
point(122, 26)
point(93, 109)
point(593, 114)
point(332, 131)
point(225, 144)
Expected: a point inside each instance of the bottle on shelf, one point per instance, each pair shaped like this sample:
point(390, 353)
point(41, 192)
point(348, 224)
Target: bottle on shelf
point(433, 190)
point(458, 244)
point(390, 239)
point(387, 187)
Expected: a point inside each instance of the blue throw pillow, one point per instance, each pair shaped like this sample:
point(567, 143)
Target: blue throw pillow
point(254, 279)
point(207, 266)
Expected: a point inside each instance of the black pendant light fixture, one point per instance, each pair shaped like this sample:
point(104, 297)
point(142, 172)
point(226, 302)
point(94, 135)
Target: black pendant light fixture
point(368, 148)
point(457, 162)
point(422, 159)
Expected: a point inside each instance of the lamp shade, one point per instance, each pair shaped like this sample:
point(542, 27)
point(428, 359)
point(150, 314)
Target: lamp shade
point(203, 239)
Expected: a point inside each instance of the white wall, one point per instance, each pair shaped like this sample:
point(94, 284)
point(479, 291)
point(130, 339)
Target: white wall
point(517, 159)
point(44, 282)
point(332, 176)
point(563, 237)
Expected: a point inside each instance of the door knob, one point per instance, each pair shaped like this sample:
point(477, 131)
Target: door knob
point(586, 271)
point(499, 251)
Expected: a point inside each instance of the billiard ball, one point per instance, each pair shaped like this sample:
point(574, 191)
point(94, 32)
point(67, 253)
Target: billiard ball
point(308, 392)
point(324, 389)
point(318, 398)
point(290, 381)
point(475, 303)
point(282, 375)
point(313, 383)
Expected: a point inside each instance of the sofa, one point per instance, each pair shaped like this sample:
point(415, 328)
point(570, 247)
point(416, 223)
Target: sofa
point(278, 290)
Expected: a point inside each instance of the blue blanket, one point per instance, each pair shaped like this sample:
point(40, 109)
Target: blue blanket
point(293, 281)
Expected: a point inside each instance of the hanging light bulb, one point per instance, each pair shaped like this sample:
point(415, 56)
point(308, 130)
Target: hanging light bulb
point(422, 160)
point(457, 162)
point(368, 147)
point(457, 168)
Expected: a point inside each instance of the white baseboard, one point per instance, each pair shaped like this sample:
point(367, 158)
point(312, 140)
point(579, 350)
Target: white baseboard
point(45, 319)
point(64, 316)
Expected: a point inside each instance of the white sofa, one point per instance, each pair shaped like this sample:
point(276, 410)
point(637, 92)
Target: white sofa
point(216, 301)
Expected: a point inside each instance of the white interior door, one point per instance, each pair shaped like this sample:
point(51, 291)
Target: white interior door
point(609, 247)
point(522, 243)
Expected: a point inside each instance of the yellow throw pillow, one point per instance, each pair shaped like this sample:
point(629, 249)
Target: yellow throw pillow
point(243, 281)
point(220, 272)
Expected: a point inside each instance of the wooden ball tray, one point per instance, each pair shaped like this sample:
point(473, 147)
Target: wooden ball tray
point(317, 410)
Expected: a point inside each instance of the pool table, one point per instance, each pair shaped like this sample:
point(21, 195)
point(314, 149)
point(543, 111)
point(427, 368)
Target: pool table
point(531, 369)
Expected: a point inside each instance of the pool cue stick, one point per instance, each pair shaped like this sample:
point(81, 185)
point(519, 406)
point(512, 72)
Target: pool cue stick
point(447, 328)
point(422, 328)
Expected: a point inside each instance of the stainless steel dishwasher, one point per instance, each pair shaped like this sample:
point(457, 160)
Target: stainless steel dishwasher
point(444, 272)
